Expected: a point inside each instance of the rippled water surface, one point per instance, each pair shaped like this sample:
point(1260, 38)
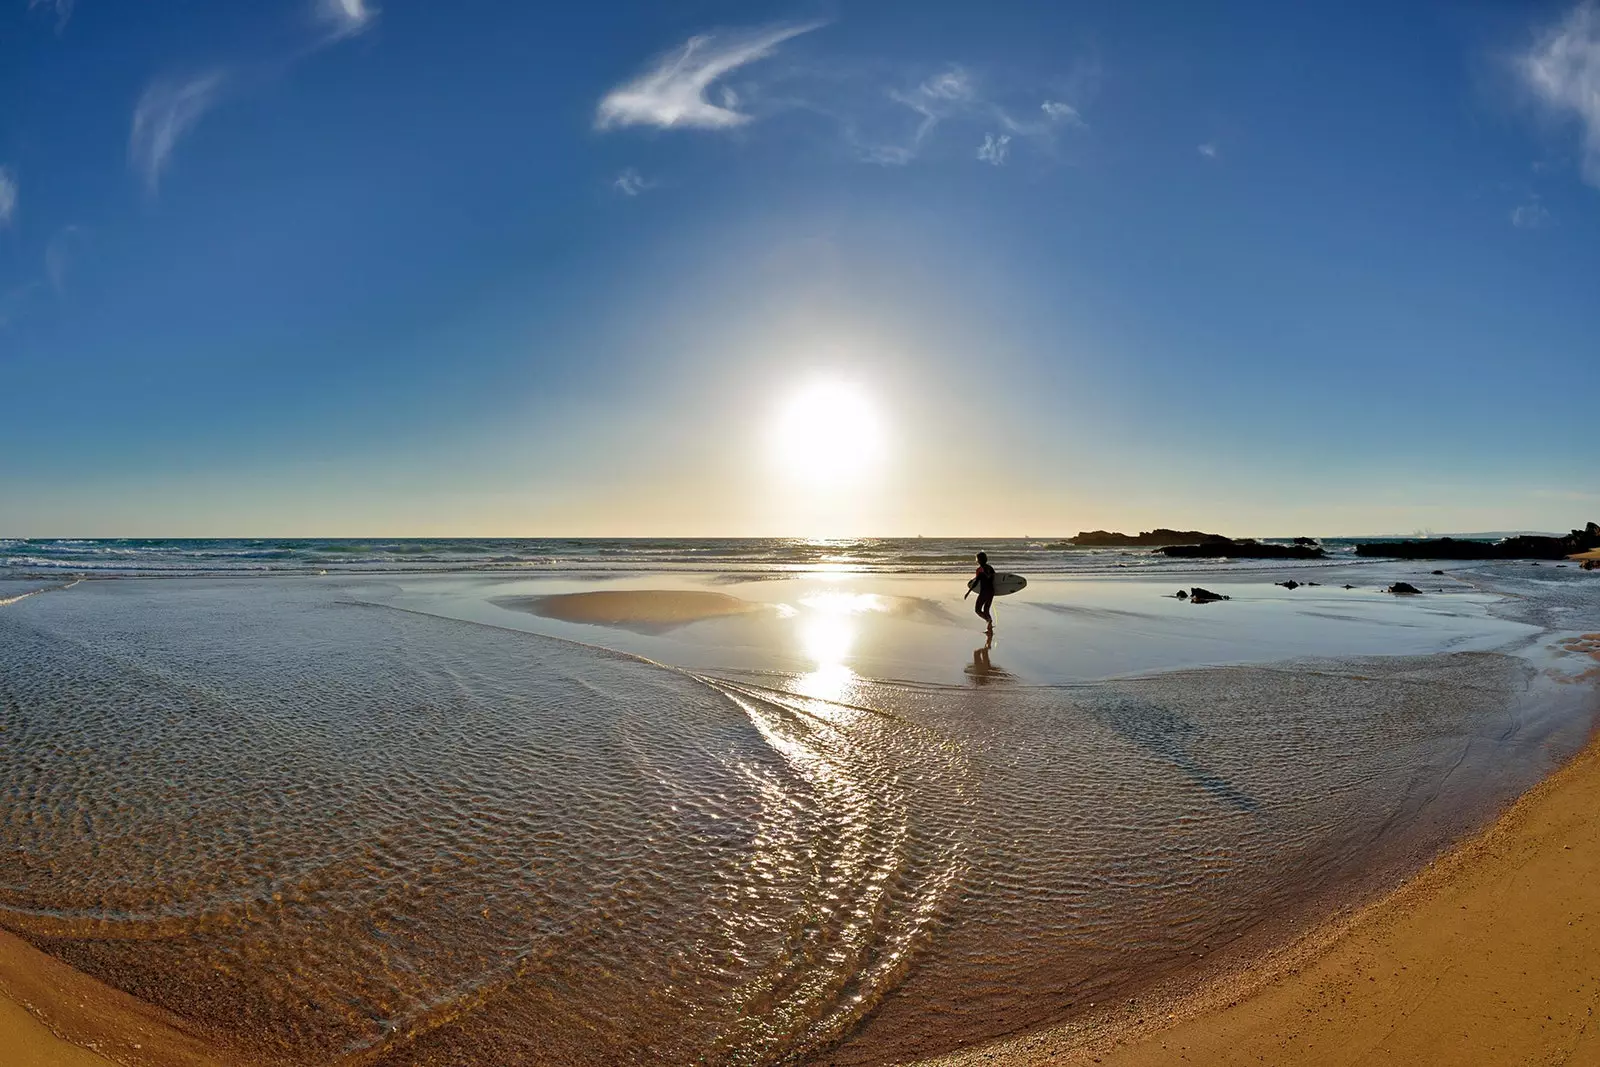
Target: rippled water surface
point(327, 830)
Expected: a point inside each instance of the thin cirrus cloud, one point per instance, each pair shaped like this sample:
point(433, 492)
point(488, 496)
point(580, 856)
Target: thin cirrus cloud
point(8, 196)
point(1562, 70)
point(673, 93)
point(62, 8)
point(165, 112)
point(995, 149)
point(170, 109)
point(344, 18)
point(1209, 150)
point(1530, 215)
point(954, 94)
point(936, 99)
point(631, 183)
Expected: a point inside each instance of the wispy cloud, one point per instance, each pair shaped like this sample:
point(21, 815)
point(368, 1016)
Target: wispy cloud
point(166, 112)
point(344, 18)
point(631, 183)
point(935, 99)
point(1057, 111)
point(1209, 150)
point(673, 93)
point(995, 149)
point(62, 8)
point(1562, 69)
point(8, 196)
point(1530, 215)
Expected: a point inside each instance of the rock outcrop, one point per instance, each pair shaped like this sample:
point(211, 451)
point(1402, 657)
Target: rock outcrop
point(1148, 539)
point(1246, 549)
point(1528, 546)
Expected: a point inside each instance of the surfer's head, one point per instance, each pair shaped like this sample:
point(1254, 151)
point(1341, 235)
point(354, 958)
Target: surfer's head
point(983, 557)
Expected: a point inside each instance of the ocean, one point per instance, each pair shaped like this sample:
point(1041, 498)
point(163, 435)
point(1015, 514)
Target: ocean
point(38, 557)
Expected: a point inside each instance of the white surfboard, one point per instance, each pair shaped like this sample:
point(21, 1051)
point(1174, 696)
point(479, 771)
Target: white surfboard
point(1004, 584)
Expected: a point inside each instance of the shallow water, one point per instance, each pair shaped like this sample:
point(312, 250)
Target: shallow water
point(326, 828)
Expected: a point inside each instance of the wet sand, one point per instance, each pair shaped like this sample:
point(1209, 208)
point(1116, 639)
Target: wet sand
point(646, 610)
point(1486, 957)
point(963, 891)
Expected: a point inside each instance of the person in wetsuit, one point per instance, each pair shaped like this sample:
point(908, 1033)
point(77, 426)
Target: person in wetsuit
point(985, 579)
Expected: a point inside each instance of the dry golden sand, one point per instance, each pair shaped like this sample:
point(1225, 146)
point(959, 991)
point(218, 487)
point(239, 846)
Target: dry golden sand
point(41, 998)
point(1490, 956)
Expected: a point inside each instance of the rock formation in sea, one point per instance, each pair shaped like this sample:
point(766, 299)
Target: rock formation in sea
point(1245, 549)
point(1148, 539)
point(1528, 546)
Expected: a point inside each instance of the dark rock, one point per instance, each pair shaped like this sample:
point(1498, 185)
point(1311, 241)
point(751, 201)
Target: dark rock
point(1438, 572)
point(1290, 584)
point(1148, 539)
point(1349, 586)
point(1403, 588)
point(1528, 546)
point(1307, 541)
point(1313, 583)
point(1198, 595)
point(1183, 594)
point(1247, 549)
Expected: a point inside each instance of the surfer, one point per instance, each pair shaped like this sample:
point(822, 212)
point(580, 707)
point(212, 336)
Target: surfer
point(985, 580)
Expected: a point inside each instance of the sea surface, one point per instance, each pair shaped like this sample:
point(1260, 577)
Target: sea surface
point(223, 556)
point(373, 817)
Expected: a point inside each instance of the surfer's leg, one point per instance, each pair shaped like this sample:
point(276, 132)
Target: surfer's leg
point(981, 609)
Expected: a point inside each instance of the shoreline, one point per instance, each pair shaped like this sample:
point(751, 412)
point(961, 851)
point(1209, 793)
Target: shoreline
point(1418, 966)
point(54, 1015)
point(62, 1000)
point(1484, 955)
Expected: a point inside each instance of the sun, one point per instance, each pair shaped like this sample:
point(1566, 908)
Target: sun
point(828, 432)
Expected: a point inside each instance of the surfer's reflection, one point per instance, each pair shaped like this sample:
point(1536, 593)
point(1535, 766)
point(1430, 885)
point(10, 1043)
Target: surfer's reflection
point(981, 671)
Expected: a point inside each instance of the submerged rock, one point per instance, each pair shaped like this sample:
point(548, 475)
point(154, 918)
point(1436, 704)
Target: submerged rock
point(1290, 584)
point(1198, 595)
point(1405, 588)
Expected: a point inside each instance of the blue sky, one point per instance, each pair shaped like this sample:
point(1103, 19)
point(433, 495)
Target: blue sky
point(502, 268)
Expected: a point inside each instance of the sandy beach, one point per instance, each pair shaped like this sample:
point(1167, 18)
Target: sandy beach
point(560, 796)
point(1486, 957)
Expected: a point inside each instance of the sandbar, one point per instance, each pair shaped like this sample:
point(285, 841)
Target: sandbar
point(1489, 956)
point(645, 609)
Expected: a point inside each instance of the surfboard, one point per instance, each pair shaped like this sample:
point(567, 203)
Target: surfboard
point(1004, 584)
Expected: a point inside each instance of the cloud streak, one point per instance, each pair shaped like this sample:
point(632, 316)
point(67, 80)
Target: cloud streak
point(165, 113)
point(1562, 70)
point(344, 18)
point(62, 8)
point(673, 94)
point(631, 183)
point(8, 196)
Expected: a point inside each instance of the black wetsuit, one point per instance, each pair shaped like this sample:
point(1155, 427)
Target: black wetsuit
point(985, 592)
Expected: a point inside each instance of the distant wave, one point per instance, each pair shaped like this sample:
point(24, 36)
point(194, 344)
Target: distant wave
point(23, 557)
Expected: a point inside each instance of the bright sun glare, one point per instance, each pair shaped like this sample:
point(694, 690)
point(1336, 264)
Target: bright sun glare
point(829, 432)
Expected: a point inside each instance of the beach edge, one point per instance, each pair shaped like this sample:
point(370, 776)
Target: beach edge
point(1484, 955)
